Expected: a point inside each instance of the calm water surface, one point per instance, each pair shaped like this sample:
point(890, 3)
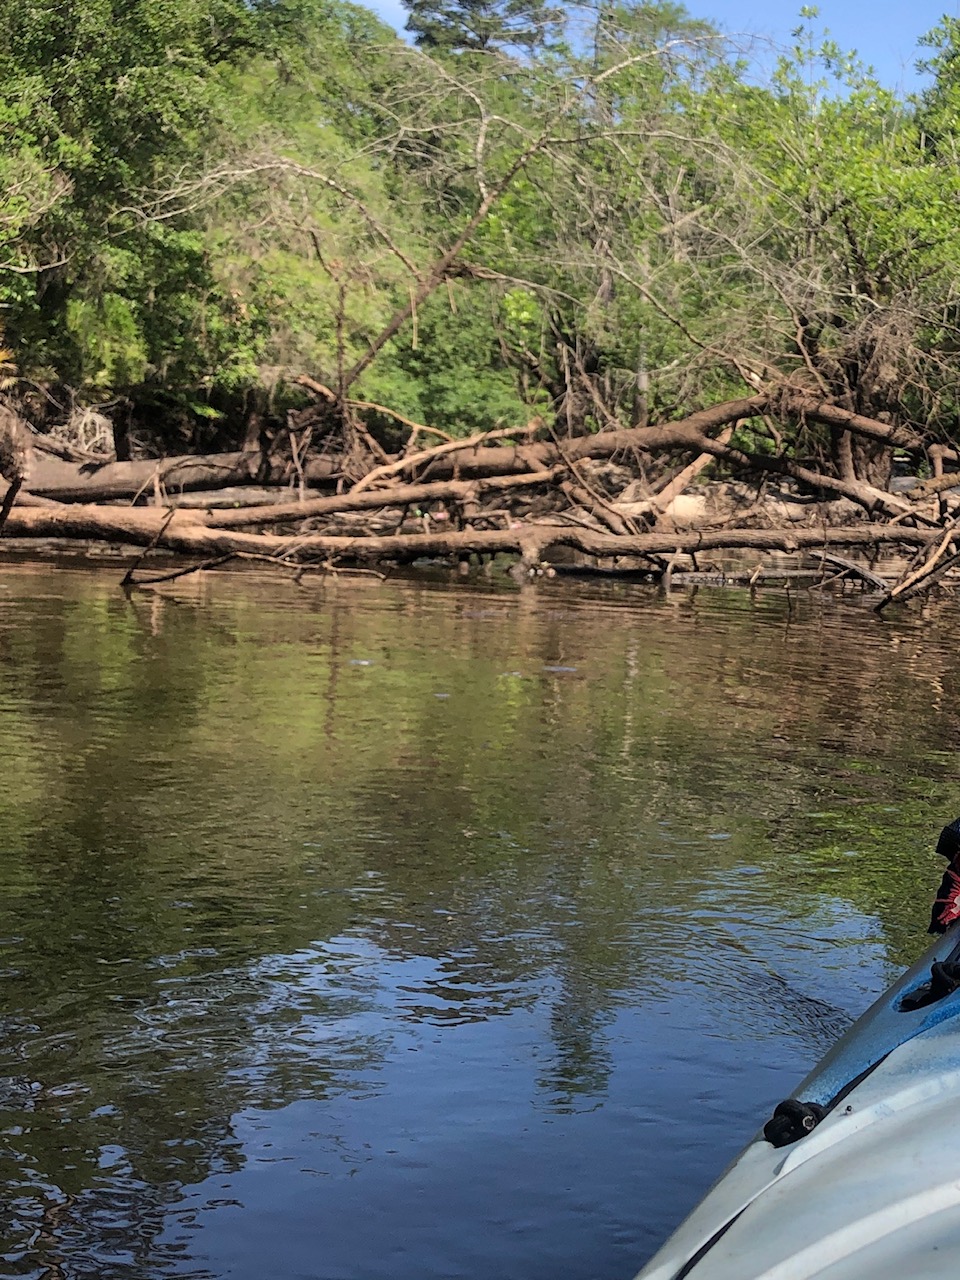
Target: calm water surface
point(360, 931)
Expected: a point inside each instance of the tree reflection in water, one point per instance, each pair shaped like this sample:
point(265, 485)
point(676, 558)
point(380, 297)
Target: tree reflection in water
point(292, 948)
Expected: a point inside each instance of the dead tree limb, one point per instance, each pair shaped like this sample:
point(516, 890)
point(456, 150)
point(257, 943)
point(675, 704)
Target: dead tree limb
point(69, 452)
point(604, 513)
point(872, 500)
point(128, 578)
point(676, 486)
point(426, 456)
point(139, 526)
point(935, 484)
point(375, 499)
point(919, 579)
point(116, 481)
point(936, 574)
point(850, 567)
point(16, 457)
point(322, 390)
point(318, 388)
point(832, 415)
point(9, 498)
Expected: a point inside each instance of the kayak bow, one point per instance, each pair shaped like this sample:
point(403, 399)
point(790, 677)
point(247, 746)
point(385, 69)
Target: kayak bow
point(858, 1177)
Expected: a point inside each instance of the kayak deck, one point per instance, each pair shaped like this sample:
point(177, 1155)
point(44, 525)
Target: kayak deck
point(874, 1190)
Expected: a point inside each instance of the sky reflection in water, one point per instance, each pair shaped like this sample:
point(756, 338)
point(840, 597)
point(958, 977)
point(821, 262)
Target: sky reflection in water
point(309, 971)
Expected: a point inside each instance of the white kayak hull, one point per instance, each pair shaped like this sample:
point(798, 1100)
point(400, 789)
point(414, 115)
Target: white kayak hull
point(873, 1191)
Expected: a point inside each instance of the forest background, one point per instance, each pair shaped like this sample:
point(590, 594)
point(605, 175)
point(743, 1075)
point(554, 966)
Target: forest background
point(594, 218)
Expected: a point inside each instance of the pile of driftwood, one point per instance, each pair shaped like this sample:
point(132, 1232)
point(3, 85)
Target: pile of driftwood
point(523, 491)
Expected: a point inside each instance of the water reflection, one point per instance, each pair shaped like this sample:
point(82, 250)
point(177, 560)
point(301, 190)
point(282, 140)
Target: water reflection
point(295, 951)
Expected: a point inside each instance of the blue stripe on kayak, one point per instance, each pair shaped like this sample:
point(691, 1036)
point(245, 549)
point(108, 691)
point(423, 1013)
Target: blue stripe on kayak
point(884, 1027)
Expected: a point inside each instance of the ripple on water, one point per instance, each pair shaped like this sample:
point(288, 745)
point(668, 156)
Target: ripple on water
point(297, 948)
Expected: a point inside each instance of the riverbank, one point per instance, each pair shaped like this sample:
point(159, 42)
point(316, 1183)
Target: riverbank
point(649, 501)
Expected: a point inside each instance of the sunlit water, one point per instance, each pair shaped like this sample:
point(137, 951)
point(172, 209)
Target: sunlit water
point(357, 930)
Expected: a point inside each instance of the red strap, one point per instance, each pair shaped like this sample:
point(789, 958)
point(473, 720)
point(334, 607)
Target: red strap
point(946, 908)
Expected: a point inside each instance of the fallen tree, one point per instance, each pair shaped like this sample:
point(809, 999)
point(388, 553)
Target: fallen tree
point(173, 532)
point(501, 492)
point(85, 481)
point(69, 481)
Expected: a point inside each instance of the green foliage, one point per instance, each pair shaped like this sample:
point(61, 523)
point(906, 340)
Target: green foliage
point(480, 26)
point(108, 339)
point(852, 229)
point(457, 378)
point(939, 103)
point(101, 106)
point(203, 197)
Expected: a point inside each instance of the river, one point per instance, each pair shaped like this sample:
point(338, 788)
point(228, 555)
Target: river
point(409, 930)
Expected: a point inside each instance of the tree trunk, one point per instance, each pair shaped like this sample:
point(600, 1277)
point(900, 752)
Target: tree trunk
point(87, 482)
point(154, 528)
point(872, 462)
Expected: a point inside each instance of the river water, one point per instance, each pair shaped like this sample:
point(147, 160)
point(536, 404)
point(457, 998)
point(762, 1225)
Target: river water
point(358, 930)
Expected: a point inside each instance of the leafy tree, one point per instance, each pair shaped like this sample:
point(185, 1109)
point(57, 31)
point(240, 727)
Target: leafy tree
point(103, 106)
point(939, 105)
point(832, 228)
point(482, 26)
point(200, 198)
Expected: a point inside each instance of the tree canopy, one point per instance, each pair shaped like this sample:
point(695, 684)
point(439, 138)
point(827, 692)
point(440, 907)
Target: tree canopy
point(596, 215)
point(481, 26)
